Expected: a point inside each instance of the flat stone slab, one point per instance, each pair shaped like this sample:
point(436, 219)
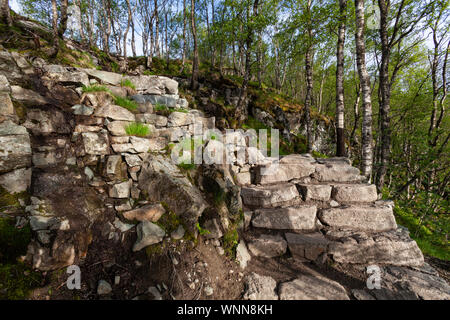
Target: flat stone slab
point(337, 171)
point(355, 192)
point(312, 287)
point(114, 112)
point(290, 218)
point(364, 218)
point(267, 246)
point(393, 248)
point(318, 192)
point(307, 246)
point(290, 167)
point(269, 196)
point(260, 288)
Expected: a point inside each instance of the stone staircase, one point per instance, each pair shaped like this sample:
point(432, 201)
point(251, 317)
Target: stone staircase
point(323, 209)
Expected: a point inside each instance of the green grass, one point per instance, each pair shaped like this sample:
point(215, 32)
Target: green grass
point(127, 83)
point(431, 236)
point(125, 103)
point(137, 129)
point(186, 166)
point(95, 88)
point(202, 231)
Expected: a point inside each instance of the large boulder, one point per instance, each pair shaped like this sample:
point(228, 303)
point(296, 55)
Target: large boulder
point(336, 170)
point(162, 181)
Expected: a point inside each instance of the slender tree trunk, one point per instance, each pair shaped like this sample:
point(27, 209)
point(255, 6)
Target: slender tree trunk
point(385, 95)
point(194, 79)
point(125, 35)
point(133, 38)
point(63, 18)
point(367, 150)
point(5, 13)
point(55, 48)
point(158, 53)
point(184, 36)
point(309, 57)
point(241, 113)
point(340, 133)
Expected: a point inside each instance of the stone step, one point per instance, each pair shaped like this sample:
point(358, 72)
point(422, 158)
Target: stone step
point(319, 192)
point(289, 167)
point(336, 170)
point(394, 248)
point(375, 218)
point(290, 218)
point(307, 246)
point(355, 192)
point(267, 246)
point(312, 287)
point(269, 196)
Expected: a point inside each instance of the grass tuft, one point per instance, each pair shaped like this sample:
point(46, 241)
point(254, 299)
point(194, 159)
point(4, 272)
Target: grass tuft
point(125, 103)
point(127, 83)
point(137, 129)
point(95, 88)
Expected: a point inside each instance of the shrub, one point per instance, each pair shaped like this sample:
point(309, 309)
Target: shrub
point(137, 129)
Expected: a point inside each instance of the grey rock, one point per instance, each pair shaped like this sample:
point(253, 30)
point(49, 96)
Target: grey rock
point(117, 128)
point(393, 247)
point(178, 119)
point(307, 246)
point(337, 172)
point(269, 196)
point(114, 112)
point(214, 230)
point(104, 76)
point(81, 109)
point(315, 192)
point(242, 255)
point(268, 246)
point(66, 76)
point(154, 292)
point(363, 217)
point(120, 190)
point(6, 106)
point(178, 233)
point(312, 287)
point(15, 152)
point(16, 181)
point(96, 143)
point(150, 118)
point(289, 167)
point(260, 288)
point(355, 193)
point(27, 97)
point(290, 218)
point(103, 288)
point(148, 233)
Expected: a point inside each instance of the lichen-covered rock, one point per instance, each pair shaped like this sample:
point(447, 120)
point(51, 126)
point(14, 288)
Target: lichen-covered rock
point(27, 97)
point(15, 152)
point(16, 181)
point(66, 75)
point(288, 168)
point(355, 192)
point(96, 143)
